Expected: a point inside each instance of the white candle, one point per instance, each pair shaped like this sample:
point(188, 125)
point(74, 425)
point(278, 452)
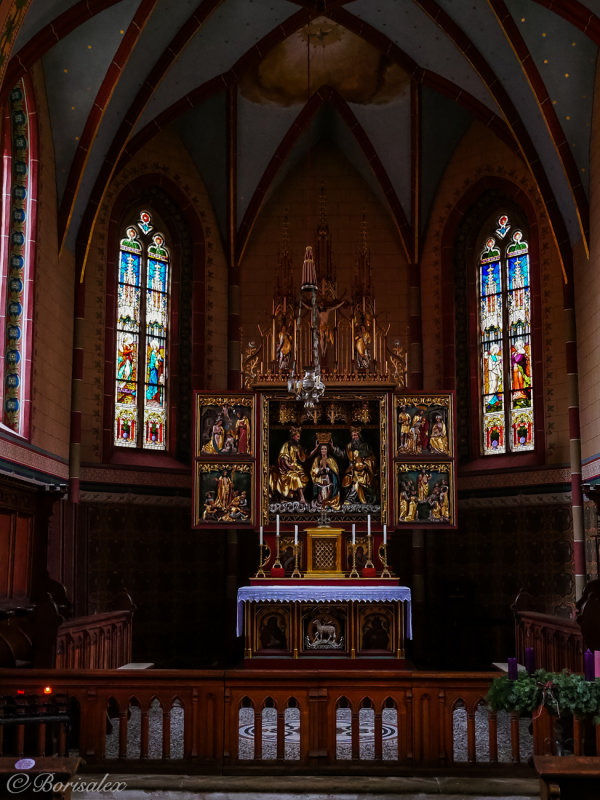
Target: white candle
point(385, 534)
point(353, 533)
point(369, 525)
point(277, 524)
point(295, 534)
point(260, 541)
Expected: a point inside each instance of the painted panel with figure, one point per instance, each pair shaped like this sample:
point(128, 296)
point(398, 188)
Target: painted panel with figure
point(328, 463)
point(224, 425)
point(223, 494)
point(324, 628)
point(273, 629)
point(424, 494)
point(423, 425)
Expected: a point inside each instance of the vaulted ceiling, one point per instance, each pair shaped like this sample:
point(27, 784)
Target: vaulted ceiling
point(394, 84)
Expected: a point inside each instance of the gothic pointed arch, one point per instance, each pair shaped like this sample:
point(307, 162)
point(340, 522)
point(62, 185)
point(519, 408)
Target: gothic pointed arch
point(154, 316)
point(491, 407)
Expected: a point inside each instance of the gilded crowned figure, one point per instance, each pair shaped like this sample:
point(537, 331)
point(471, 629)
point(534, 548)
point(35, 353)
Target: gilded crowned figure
point(360, 478)
point(325, 475)
point(288, 477)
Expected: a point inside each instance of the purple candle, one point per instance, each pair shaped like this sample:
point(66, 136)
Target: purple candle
point(529, 660)
point(512, 669)
point(588, 665)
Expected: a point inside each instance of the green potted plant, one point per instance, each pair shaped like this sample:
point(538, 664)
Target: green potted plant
point(564, 694)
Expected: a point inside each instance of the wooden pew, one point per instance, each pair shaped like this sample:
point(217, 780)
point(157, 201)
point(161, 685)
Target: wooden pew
point(568, 777)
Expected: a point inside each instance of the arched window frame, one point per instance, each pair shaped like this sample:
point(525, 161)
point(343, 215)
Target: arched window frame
point(182, 225)
point(506, 379)
point(143, 329)
point(17, 256)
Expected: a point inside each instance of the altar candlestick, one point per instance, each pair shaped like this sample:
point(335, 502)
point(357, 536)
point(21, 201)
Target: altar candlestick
point(588, 665)
point(385, 534)
point(353, 533)
point(529, 660)
point(295, 534)
point(512, 669)
point(277, 524)
point(260, 541)
point(369, 525)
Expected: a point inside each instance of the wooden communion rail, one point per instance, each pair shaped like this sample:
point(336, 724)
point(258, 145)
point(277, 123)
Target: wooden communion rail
point(228, 721)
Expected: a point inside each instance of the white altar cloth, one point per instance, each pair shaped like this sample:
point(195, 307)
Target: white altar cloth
point(322, 594)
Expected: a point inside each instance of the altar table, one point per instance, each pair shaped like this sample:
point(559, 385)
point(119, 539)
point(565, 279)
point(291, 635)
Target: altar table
point(343, 620)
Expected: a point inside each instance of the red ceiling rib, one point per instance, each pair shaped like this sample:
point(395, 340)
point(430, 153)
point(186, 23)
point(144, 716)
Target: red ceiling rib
point(547, 109)
point(96, 114)
point(52, 33)
point(156, 74)
point(166, 59)
point(428, 78)
point(324, 95)
point(377, 39)
point(577, 14)
point(466, 46)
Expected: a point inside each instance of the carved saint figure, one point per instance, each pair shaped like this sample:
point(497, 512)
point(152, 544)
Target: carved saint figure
point(238, 509)
point(414, 441)
point(225, 491)
point(242, 431)
point(283, 353)
point(423, 485)
point(435, 505)
point(288, 477)
point(438, 440)
point(216, 443)
point(362, 343)
point(325, 476)
point(404, 423)
point(411, 514)
point(360, 477)
point(445, 501)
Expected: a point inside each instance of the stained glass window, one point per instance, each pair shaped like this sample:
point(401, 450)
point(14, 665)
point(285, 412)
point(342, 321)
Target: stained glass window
point(505, 342)
point(142, 338)
point(18, 201)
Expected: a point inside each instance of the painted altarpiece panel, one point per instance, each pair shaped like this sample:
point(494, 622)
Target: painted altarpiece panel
point(423, 425)
point(223, 494)
point(376, 630)
point(224, 425)
point(329, 463)
point(424, 494)
point(323, 628)
point(272, 629)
